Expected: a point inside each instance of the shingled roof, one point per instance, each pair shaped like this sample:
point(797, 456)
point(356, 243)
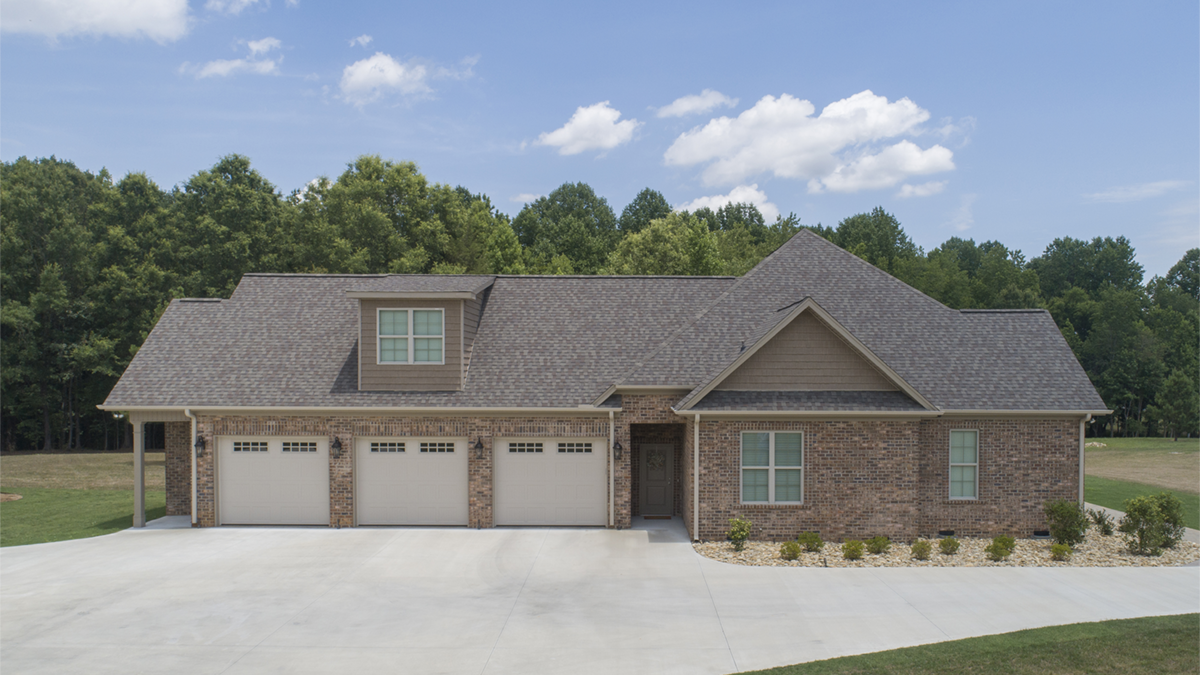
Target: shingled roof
point(290, 340)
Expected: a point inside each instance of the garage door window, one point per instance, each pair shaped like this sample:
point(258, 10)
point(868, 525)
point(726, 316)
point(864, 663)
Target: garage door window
point(437, 447)
point(306, 446)
point(772, 467)
point(249, 446)
point(411, 336)
point(525, 447)
point(574, 447)
point(387, 447)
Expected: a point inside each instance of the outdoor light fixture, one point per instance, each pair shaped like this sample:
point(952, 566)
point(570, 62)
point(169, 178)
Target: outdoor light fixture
point(336, 446)
point(479, 448)
point(199, 445)
point(617, 449)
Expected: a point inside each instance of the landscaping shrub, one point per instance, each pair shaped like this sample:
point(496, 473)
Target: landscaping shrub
point(878, 545)
point(739, 532)
point(1000, 548)
point(790, 550)
point(948, 546)
point(811, 541)
point(921, 549)
point(852, 550)
point(1068, 521)
point(1152, 523)
point(1060, 552)
point(1103, 521)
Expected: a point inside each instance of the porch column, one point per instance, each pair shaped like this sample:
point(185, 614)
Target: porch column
point(139, 472)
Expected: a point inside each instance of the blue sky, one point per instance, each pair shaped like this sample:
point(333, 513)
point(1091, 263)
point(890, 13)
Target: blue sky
point(1019, 122)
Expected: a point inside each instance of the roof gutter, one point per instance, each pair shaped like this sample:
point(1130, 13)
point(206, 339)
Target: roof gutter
point(810, 414)
point(381, 410)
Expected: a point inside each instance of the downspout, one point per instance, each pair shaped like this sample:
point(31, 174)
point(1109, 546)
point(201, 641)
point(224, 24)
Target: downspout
point(696, 479)
point(1082, 426)
point(192, 451)
point(612, 471)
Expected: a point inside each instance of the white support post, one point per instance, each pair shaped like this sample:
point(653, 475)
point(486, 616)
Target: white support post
point(696, 478)
point(139, 472)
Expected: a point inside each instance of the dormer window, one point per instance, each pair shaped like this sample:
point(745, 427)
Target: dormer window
point(411, 336)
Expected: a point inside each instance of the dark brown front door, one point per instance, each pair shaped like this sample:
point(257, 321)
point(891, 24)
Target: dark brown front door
point(656, 493)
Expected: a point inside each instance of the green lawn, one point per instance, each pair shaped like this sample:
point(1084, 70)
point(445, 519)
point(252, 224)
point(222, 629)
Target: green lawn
point(1113, 493)
point(1182, 445)
point(55, 514)
point(1160, 645)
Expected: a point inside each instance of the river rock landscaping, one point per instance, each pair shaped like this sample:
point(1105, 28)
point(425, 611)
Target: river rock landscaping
point(1097, 550)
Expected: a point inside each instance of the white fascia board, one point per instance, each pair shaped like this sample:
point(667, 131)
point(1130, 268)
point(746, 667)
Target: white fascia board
point(809, 414)
point(362, 410)
point(993, 413)
point(405, 295)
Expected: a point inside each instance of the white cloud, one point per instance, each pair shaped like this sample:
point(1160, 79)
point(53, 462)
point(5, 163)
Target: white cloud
point(835, 151)
point(746, 194)
point(962, 219)
point(1134, 193)
point(593, 127)
point(226, 67)
point(525, 198)
point(696, 103)
point(228, 6)
point(922, 190)
point(263, 46)
point(366, 80)
point(361, 40)
point(160, 20)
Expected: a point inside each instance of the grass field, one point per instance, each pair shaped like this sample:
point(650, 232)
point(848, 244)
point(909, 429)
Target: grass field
point(73, 495)
point(1161, 462)
point(1113, 493)
point(1160, 645)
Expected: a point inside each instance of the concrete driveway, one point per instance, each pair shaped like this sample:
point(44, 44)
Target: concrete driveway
point(259, 600)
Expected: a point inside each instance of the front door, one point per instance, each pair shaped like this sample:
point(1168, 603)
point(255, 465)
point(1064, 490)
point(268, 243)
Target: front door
point(656, 493)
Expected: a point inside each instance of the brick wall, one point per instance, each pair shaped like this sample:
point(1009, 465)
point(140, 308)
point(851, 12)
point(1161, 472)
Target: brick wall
point(347, 428)
point(860, 480)
point(1022, 465)
point(636, 409)
point(178, 452)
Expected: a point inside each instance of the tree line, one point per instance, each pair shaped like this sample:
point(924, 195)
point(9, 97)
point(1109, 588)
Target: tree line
point(89, 263)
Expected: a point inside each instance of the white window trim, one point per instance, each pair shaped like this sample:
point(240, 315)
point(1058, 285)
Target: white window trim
point(952, 464)
point(770, 467)
point(411, 337)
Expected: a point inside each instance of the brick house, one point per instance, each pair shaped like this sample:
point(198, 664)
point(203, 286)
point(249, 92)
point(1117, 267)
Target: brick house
point(814, 393)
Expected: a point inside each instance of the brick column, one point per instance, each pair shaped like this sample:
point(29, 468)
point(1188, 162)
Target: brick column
point(179, 468)
point(623, 483)
point(206, 506)
point(479, 470)
point(341, 479)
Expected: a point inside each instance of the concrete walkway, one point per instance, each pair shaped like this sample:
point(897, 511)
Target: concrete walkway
point(364, 600)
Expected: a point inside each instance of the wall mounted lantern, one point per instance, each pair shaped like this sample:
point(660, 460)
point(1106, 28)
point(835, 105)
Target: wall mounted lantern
point(336, 446)
point(199, 445)
point(479, 448)
point(617, 449)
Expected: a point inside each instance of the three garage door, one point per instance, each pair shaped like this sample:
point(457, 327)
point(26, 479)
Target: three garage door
point(412, 481)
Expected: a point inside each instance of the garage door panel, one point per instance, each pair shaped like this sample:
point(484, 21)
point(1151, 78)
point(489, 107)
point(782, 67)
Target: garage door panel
point(260, 484)
point(411, 487)
point(551, 487)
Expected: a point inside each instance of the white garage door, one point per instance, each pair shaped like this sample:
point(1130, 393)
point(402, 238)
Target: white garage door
point(273, 480)
point(411, 481)
point(551, 482)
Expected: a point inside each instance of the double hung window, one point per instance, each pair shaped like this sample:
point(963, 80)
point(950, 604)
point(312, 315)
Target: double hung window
point(964, 464)
point(772, 467)
point(411, 336)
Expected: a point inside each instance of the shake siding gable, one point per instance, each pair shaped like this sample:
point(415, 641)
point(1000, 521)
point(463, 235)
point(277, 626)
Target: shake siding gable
point(412, 377)
point(806, 356)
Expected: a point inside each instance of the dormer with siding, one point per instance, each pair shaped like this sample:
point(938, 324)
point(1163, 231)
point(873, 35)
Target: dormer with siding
point(416, 333)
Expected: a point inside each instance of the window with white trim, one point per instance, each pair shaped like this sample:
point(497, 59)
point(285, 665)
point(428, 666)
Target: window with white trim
point(525, 447)
point(411, 336)
point(437, 446)
point(772, 467)
point(575, 448)
point(386, 446)
point(249, 446)
point(964, 464)
point(299, 446)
